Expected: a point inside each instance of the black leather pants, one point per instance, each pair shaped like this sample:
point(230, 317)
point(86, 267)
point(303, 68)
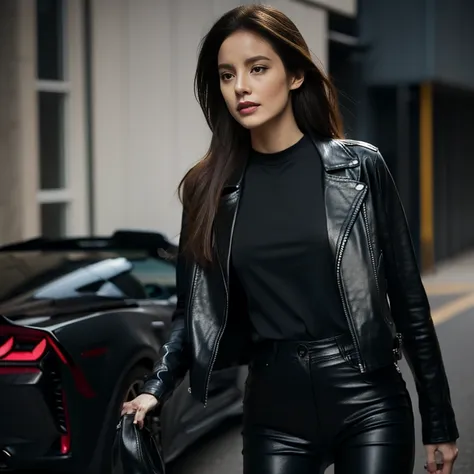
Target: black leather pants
point(307, 406)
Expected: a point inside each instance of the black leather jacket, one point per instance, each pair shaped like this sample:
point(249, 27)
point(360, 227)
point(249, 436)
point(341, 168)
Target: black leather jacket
point(377, 275)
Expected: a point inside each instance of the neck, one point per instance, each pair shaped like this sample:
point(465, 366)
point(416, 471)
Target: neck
point(277, 134)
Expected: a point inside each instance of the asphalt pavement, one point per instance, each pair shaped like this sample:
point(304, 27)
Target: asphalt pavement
point(451, 294)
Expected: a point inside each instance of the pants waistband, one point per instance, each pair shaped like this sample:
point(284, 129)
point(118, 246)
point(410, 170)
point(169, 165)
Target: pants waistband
point(341, 344)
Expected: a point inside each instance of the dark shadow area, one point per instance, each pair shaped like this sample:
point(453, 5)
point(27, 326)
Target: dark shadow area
point(202, 447)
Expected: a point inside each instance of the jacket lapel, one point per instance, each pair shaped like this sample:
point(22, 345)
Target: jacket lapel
point(343, 191)
point(225, 220)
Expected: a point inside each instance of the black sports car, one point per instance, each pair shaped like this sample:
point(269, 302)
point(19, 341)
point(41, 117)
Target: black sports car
point(81, 322)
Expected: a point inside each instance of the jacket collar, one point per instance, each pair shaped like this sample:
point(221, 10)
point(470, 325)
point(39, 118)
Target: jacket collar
point(334, 154)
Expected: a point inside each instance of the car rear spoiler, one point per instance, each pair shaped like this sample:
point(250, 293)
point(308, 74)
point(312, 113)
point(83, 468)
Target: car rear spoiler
point(4, 321)
point(154, 243)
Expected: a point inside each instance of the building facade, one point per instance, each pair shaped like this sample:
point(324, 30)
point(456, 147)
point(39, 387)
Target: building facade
point(100, 121)
point(416, 96)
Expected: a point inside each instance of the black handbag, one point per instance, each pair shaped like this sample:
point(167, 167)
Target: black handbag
point(135, 450)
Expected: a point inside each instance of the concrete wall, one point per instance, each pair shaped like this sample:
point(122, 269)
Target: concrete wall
point(395, 35)
point(453, 45)
point(18, 126)
point(415, 41)
point(148, 128)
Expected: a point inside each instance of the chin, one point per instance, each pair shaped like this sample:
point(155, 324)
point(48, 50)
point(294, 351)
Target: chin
point(251, 123)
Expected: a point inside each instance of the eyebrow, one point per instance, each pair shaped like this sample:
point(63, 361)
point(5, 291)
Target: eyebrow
point(247, 61)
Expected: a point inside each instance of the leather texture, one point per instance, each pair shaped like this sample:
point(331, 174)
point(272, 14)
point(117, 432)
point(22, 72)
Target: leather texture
point(378, 279)
point(360, 422)
point(135, 450)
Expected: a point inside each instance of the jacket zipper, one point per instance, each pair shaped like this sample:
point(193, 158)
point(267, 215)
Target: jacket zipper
point(371, 249)
point(226, 313)
point(190, 297)
point(216, 345)
point(188, 306)
point(340, 285)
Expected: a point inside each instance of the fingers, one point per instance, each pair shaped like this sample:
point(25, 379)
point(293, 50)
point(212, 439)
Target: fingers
point(440, 459)
point(447, 468)
point(128, 408)
point(140, 406)
point(138, 409)
point(140, 417)
point(430, 465)
point(449, 456)
point(440, 464)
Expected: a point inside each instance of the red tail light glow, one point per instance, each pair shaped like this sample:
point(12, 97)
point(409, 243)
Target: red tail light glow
point(6, 347)
point(28, 345)
point(26, 356)
point(24, 350)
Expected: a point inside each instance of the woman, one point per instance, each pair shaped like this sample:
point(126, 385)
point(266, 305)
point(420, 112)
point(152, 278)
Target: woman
point(295, 256)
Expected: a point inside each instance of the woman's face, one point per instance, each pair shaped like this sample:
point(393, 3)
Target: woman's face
point(253, 80)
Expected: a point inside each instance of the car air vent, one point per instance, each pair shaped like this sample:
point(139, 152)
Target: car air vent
point(58, 401)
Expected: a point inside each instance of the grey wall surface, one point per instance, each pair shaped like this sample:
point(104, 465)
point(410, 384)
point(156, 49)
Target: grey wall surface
point(18, 143)
point(453, 47)
point(10, 204)
point(453, 171)
point(394, 33)
point(411, 41)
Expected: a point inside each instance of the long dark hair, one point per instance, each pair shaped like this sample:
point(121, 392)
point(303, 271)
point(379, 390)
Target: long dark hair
point(314, 106)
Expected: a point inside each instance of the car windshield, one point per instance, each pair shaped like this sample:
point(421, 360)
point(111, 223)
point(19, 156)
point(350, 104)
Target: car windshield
point(31, 275)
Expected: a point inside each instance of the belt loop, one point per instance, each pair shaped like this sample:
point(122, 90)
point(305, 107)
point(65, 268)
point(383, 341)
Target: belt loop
point(340, 346)
point(341, 342)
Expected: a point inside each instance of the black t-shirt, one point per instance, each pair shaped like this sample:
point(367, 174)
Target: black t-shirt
point(280, 249)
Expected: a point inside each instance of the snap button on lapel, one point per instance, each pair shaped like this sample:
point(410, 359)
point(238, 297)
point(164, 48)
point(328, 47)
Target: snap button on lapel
point(359, 187)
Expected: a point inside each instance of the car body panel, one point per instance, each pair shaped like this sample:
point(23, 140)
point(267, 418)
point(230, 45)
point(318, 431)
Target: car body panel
point(106, 314)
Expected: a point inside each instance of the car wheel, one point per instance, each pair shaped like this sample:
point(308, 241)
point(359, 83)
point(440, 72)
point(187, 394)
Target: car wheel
point(129, 389)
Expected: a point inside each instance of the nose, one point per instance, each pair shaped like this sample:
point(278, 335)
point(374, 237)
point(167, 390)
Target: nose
point(241, 85)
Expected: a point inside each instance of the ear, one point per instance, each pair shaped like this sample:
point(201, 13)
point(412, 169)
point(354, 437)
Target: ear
point(297, 81)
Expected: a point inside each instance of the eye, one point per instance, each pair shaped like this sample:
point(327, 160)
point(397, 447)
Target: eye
point(259, 69)
point(226, 76)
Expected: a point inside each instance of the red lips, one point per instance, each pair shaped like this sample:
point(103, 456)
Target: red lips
point(245, 105)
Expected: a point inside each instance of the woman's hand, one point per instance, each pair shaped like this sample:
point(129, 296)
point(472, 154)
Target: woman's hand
point(448, 452)
point(140, 405)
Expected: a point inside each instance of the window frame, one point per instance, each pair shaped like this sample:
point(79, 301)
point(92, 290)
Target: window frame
point(73, 195)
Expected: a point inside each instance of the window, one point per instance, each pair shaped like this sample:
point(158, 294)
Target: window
point(51, 132)
point(62, 274)
point(61, 127)
point(53, 219)
point(157, 276)
point(50, 23)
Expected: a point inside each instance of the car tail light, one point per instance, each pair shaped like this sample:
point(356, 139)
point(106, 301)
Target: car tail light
point(33, 355)
point(21, 344)
point(23, 350)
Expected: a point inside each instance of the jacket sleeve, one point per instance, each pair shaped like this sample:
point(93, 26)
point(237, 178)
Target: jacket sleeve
point(411, 312)
point(175, 355)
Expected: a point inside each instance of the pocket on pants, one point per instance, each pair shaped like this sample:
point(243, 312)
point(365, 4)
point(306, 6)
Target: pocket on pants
point(388, 374)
